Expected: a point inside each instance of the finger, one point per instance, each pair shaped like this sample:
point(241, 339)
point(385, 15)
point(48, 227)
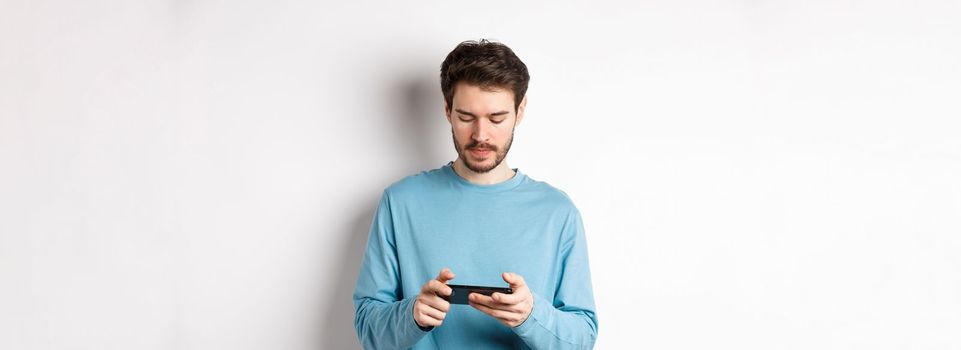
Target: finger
point(439, 288)
point(508, 299)
point(515, 280)
point(422, 315)
point(499, 305)
point(445, 275)
point(433, 312)
point(436, 303)
point(486, 301)
point(495, 313)
point(427, 321)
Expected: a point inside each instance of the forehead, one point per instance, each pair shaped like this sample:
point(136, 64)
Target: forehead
point(477, 97)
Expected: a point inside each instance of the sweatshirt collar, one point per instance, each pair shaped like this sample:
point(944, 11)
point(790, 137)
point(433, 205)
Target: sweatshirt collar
point(508, 184)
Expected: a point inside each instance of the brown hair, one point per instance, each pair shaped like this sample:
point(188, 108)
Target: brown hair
point(484, 63)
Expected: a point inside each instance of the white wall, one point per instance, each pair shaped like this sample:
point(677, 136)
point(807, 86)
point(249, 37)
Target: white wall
point(753, 175)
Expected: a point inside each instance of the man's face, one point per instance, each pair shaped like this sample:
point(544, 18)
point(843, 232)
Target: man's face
point(482, 123)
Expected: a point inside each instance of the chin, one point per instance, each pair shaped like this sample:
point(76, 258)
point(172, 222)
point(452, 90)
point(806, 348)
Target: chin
point(480, 167)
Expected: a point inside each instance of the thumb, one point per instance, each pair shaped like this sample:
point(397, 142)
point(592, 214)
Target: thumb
point(515, 280)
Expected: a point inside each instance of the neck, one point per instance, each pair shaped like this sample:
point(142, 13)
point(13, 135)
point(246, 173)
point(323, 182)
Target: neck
point(501, 173)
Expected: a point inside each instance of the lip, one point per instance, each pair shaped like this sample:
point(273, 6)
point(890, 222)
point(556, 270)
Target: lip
point(480, 153)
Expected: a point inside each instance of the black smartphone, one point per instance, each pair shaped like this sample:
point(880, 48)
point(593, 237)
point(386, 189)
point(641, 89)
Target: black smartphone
point(460, 292)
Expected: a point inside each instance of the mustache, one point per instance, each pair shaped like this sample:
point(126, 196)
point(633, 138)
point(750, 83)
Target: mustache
point(475, 144)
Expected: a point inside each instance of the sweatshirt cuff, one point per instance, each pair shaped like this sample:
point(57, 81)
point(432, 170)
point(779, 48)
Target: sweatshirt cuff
point(540, 314)
point(412, 328)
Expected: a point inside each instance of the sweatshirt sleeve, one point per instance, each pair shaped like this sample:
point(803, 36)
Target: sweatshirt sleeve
point(567, 321)
point(383, 318)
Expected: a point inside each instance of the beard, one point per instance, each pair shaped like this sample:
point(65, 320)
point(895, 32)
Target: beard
point(481, 168)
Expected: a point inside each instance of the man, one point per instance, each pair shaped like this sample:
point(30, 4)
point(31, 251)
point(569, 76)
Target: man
point(489, 223)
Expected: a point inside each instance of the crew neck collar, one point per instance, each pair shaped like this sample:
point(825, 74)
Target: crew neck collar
point(498, 187)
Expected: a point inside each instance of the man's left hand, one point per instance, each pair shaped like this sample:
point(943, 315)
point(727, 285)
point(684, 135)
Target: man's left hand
point(510, 309)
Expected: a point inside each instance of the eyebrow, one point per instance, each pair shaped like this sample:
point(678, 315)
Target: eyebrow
point(461, 111)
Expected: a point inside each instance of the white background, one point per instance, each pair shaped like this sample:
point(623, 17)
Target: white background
point(752, 174)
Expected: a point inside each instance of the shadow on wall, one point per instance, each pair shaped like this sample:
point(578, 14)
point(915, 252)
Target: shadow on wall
point(421, 102)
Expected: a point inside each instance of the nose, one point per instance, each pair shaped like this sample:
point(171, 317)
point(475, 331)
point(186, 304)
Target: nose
point(481, 130)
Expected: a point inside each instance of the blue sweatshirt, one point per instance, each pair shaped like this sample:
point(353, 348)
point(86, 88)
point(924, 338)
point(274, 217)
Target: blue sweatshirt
point(437, 219)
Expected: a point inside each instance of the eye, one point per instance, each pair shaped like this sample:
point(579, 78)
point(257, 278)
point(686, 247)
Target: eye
point(497, 121)
point(466, 120)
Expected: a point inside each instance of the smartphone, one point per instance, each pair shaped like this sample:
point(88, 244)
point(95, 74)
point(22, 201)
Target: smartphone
point(460, 292)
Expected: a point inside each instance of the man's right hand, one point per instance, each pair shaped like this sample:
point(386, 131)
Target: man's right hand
point(429, 308)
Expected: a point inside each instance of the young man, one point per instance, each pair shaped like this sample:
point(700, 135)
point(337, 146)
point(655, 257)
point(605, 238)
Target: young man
point(489, 223)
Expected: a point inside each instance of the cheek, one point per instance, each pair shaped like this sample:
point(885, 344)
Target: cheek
point(462, 132)
point(461, 136)
point(503, 133)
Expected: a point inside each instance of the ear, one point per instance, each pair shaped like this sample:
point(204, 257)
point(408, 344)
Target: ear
point(520, 111)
